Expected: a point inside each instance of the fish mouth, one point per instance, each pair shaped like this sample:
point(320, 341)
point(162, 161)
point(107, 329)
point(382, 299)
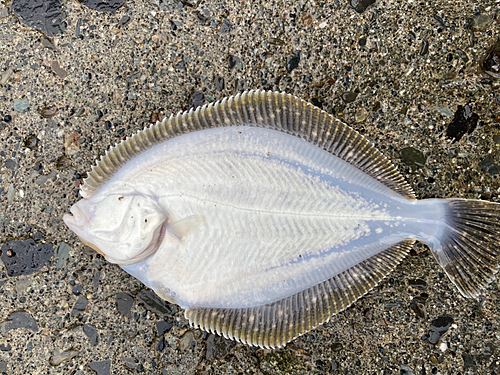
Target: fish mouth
point(150, 250)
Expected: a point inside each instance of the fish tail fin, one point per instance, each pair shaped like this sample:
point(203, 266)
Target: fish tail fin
point(469, 250)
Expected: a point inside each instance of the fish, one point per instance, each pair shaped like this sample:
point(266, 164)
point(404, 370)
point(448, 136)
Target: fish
point(263, 216)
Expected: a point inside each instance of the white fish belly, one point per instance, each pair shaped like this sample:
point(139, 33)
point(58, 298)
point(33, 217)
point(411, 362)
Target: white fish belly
point(274, 215)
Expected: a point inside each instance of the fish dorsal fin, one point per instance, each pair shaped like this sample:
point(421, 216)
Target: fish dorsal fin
point(273, 325)
point(276, 111)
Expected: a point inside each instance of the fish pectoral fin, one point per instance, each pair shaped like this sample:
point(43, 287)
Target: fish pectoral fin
point(273, 325)
point(184, 226)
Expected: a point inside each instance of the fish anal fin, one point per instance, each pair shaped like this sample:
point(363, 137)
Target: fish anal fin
point(273, 325)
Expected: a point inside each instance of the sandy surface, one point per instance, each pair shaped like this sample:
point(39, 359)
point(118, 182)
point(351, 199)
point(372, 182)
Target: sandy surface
point(108, 75)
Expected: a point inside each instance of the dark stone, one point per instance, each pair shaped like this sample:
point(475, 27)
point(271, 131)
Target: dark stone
point(42, 15)
point(91, 333)
point(219, 83)
point(103, 5)
point(488, 165)
point(361, 6)
point(317, 102)
point(79, 306)
point(25, 257)
point(124, 303)
point(31, 142)
point(232, 61)
point(226, 26)
point(417, 283)
point(469, 361)
point(5, 348)
point(491, 63)
point(10, 164)
point(349, 97)
point(464, 121)
point(424, 49)
point(161, 344)
point(180, 65)
point(101, 368)
point(196, 100)
point(155, 304)
point(292, 62)
point(3, 366)
point(95, 280)
point(163, 327)
point(17, 320)
point(124, 20)
point(336, 346)
point(77, 290)
point(438, 328)
point(411, 156)
point(417, 309)
point(63, 162)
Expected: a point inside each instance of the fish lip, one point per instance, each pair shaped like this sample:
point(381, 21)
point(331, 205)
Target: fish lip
point(150, 250)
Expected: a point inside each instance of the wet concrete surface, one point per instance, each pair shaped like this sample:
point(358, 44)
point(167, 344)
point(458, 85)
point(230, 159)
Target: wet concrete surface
point(418, 78)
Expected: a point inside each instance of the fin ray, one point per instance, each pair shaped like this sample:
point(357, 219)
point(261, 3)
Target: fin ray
point(273, 325)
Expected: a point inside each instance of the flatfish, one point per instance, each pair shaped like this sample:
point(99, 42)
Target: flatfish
point(262, 216)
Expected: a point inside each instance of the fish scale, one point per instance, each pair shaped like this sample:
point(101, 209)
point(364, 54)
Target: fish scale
point(262, 216)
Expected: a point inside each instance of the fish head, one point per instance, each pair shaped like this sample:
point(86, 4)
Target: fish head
point(123, 228)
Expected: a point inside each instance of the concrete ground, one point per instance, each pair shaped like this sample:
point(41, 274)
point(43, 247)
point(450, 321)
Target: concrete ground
point(410, 75)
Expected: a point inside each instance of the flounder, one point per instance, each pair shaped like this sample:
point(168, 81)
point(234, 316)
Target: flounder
point(262, 216)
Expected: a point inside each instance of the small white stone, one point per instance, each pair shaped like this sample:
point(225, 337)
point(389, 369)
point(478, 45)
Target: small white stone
point(322, 25)
point(443, 346)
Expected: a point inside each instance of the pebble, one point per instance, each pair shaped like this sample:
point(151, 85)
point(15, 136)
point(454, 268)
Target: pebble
point(361, 6)
point(25, 257)
point(292, 62)
point(491, 62)
point(124, 303)
point(91, 333)
point(130, 363)
point(31, 142)
point(444, 111)
point(79, 306)
point(77, 290)
point(405, 370)
point(489, 165)
point(59, 356)
point(61, 254)
point(464, 122)
point(163, 327)
point(41, 180)
point(186, 340)
point(481, 22)
point(226, 26)
point(63, 163)
point(349, 97)
point(219, 83)
point(155, 304)
point(10, 193)
point(19, 319)
point(21, 105)
point(10, 164)
point(196, 100)
point(360, 115)
point(232, 61)
point(102, 367)
point(438, 328)
point(412, 157)
point(60, 72)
